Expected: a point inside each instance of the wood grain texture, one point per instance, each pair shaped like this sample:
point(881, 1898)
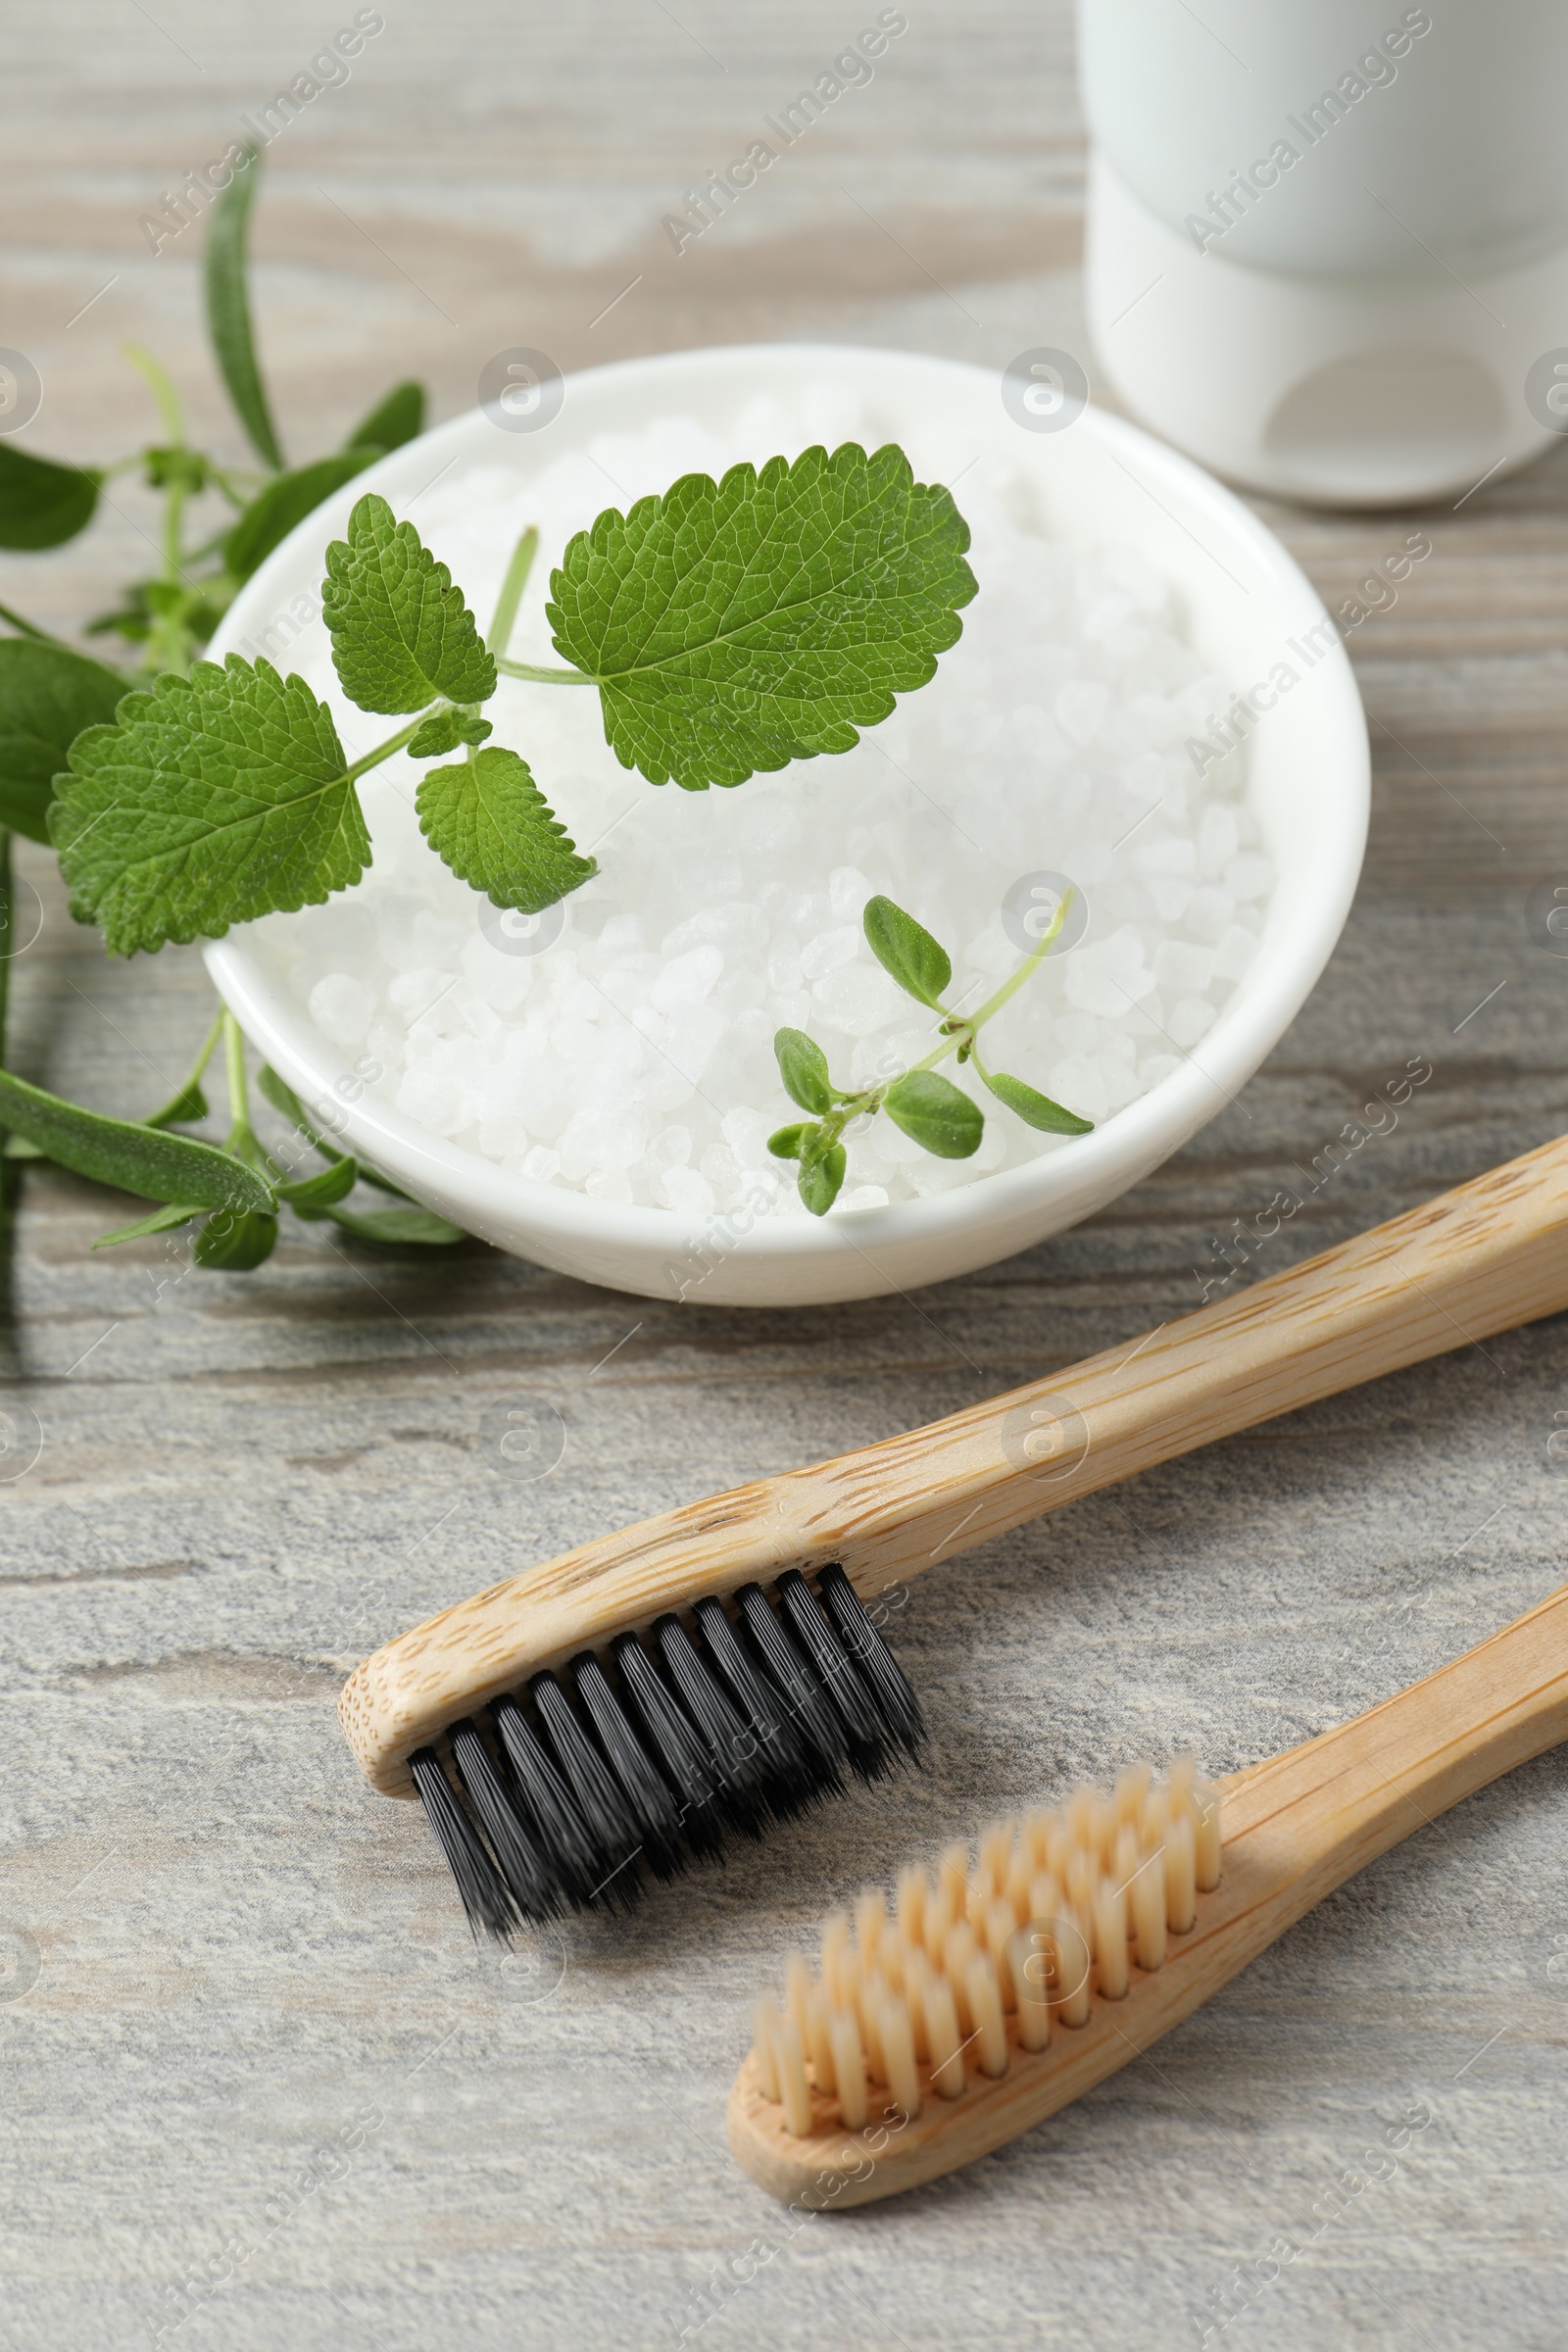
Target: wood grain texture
point(1296, 1827)
point(1490, 1255)
point(220, 1951)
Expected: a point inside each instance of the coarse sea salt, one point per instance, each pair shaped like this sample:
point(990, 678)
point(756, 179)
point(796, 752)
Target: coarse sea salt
point(622, 1045)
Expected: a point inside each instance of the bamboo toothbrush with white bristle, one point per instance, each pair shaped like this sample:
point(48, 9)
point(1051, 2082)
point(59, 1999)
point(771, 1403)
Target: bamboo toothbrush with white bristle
point(1015, 1981)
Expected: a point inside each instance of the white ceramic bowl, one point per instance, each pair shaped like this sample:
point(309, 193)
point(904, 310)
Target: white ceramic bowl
point(1248, 610)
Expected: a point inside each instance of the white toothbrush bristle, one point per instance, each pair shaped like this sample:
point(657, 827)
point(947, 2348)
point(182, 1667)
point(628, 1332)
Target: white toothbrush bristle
point(974, 1965)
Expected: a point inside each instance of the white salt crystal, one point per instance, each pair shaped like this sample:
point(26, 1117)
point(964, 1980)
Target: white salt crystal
point(862, 1195)
point(829, 949)
point(687, 978)
point(433, 1096)
point(542, 1165)
point(603, 1140)
point(1234, 954)
point(685, 1190)
point(1191, 1017)
point(848, 891)
point(1249, 875)
point(1217, 837)
point(1209, 911)
point(858, 998)
point(1180, 965)
point(1081, 707)
point(341, 1008)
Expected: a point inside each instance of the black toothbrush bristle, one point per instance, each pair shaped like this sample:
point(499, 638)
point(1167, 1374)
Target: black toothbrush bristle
point(688, 1765)
point(571, 1792)
point(646, 1790)
point(485, 1900)
point(869, 1746)
point(520, 1860)
point(895, 1701)
point(742, 1779)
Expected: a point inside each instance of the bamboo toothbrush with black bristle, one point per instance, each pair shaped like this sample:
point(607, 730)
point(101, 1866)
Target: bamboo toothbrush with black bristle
point(1023, 1978)
point(626, 1709)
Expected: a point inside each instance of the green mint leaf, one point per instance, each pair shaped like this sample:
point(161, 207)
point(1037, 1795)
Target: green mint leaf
point(162, 1220)
point(938, 1114)
point(444, 731)
point(493, 826)
point(905, 950)
point(182, 1110)
point(1038, 1110)
point(47, 696)
point(402, 634)
point(229, 308)
point(309, 1195)
point(286, 500)
point(803, 1067)
point(792, 1143)
point(235, 1240)
point(139, 1159)
point(392, 421)
point(210, 800)
point(738, 626)
point(42, 504)
point(821, 1179)
point(398, 1228)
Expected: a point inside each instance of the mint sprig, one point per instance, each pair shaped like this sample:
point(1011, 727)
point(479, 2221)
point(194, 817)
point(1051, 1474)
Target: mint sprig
point(210, 800)
point(490, 822)
point(737, 626)
point(402, 635)
point(939, 1116)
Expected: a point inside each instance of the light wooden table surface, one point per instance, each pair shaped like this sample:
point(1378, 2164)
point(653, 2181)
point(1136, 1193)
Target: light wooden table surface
point(246, 2041)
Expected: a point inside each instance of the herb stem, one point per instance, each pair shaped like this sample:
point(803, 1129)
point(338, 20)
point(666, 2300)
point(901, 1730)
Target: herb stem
point(545, 677)
point(28, 629)
point(1031, 964)
point(164, 392)
point(7, 942)
point(165, 1115)
point(512, 588)
point(393, 743)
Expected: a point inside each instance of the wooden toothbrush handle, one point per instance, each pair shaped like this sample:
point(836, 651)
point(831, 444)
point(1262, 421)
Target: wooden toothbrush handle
point(1477, 1261)
point(1294, 1829)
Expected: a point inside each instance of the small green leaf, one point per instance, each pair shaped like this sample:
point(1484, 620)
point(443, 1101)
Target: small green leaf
point(47, 696)
point(182, 1110)
point(821, 1179)
point(43, 504)
point(235, 1240)
point(162, 1220)
point(139, 1159)
point(309, 1196)
point(803, 1067)
point(938, 1114)
point(737, 626)
point(399, 1228)
point(488, 819)
point(286, 500)
point(444, 731)
point(792, 1143)
point(392, 421)
point(907, 951)
point(229, 308)
point(402, 634)
point(1038, 1110)
point(212, 799)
